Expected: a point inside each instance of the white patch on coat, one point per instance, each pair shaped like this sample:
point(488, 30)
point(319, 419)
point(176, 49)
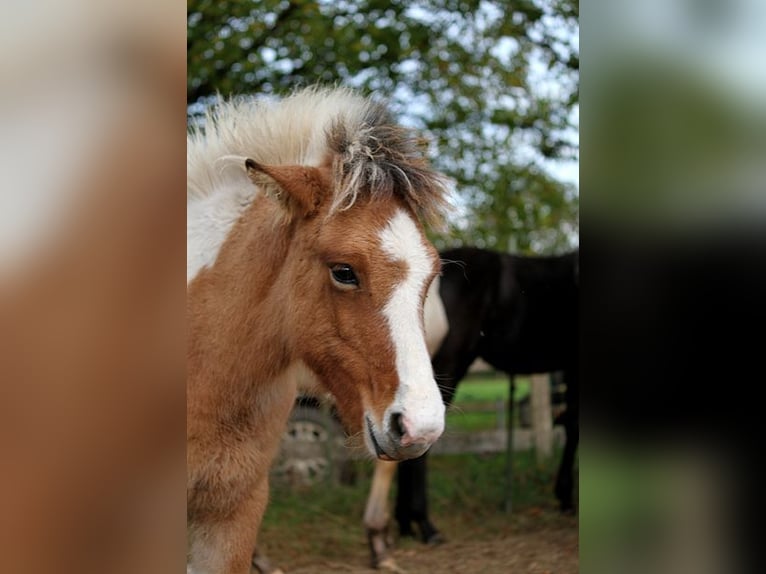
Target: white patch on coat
point(209, 221)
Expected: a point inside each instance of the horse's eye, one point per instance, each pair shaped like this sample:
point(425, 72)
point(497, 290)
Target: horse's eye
point(344, 275)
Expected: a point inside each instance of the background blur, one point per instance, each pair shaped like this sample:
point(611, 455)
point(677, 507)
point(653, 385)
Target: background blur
point(672, 260)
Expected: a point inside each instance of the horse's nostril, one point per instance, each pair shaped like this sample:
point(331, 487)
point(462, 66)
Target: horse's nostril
point(397, 426)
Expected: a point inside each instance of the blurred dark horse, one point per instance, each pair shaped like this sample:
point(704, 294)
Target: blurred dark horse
point(519, 314)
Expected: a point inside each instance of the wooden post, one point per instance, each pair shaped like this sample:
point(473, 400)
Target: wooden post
point(542, 420)
point(509, 450)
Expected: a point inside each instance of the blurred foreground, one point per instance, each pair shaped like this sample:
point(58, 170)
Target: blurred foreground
point(92, 329)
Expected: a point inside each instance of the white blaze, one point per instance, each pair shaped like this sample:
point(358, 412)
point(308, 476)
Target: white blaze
point(418, 397)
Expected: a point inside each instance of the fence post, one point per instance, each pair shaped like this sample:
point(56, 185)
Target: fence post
point(509, 449)
point(542, 420)
point(501, 414)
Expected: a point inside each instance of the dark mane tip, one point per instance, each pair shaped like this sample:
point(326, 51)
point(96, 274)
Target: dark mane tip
point(377, 158)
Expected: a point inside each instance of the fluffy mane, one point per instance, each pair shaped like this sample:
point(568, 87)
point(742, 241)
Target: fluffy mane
point(372, 156)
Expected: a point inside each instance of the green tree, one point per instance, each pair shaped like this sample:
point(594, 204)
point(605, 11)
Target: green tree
point(494, 84)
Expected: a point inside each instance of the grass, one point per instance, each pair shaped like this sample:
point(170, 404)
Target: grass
point(489, 386)
point(466, 495)
point(482, 390)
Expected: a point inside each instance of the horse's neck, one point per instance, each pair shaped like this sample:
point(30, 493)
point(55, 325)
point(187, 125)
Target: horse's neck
point(237, 334)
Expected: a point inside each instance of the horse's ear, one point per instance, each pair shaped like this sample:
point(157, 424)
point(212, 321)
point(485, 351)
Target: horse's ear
point(300, 189)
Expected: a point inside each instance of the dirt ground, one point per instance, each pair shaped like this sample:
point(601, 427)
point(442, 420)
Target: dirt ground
point(319, 530)
point(552, 551)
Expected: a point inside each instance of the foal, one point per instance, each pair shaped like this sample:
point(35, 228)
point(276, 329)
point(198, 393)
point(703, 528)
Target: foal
point(304, 251)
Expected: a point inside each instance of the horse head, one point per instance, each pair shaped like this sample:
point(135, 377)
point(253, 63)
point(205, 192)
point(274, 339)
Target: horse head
point(355, 279)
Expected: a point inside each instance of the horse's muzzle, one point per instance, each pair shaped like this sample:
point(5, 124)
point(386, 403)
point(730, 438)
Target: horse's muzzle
point(397, 441)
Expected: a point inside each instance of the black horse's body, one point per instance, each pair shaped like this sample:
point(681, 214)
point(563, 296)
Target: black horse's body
point(519, 314)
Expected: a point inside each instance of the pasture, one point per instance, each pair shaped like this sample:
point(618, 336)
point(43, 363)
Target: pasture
point(317, 529)
point(483, 391)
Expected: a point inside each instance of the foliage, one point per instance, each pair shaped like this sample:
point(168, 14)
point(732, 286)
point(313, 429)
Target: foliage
point(492, 83)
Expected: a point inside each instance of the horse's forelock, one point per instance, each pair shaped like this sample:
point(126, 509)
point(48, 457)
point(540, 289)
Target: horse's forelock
point(376, 157)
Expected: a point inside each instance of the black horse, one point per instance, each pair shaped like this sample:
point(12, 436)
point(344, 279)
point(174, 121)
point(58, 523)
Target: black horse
point(519, 314)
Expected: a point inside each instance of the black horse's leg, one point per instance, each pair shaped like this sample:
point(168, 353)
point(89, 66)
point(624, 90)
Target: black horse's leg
point(565, 480)
point(411, 492)
point(412, 500)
